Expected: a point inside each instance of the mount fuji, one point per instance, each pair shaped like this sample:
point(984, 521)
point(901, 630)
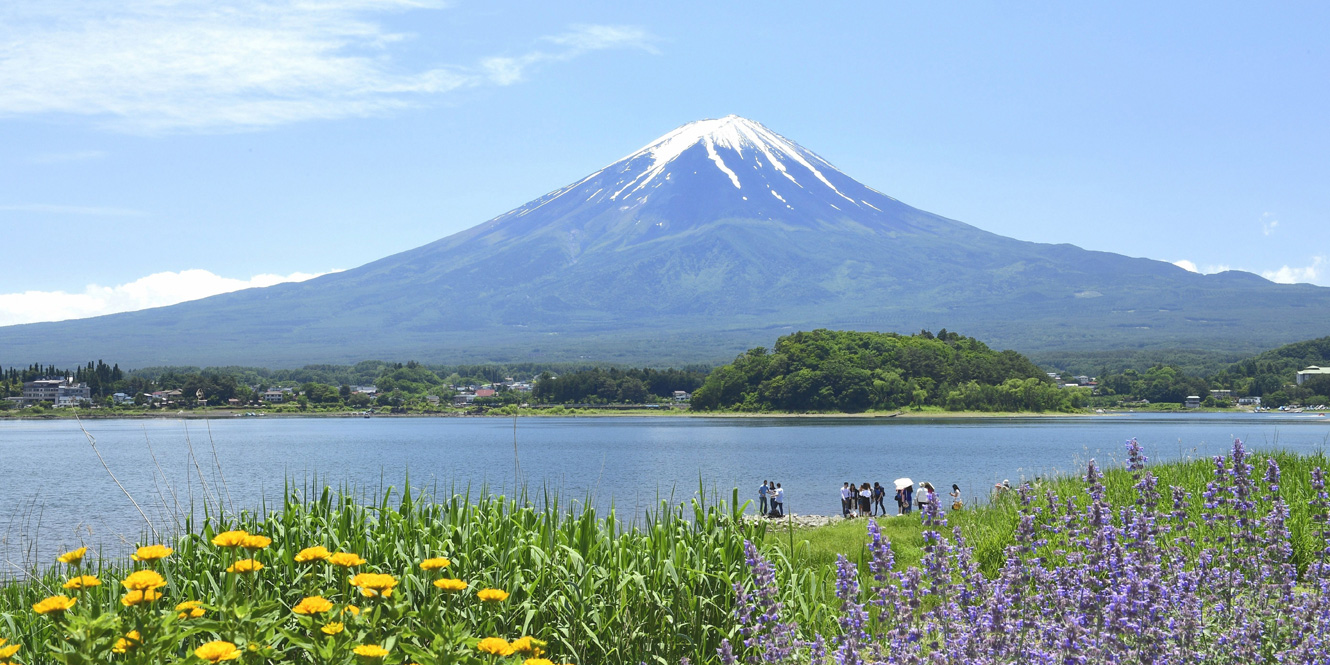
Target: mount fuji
point(719, 236)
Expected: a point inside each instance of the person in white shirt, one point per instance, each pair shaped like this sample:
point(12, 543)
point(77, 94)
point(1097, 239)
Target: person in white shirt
point(845, 493)
point(778, 502)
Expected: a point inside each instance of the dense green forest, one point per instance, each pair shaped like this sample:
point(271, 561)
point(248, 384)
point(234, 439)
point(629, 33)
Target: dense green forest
point(604, 386)
point(1270, 376)
point(828, 370)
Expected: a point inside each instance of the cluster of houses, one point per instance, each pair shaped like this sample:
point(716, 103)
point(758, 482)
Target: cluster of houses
point(61, 392)
point(1081, 381)
point(467, 395)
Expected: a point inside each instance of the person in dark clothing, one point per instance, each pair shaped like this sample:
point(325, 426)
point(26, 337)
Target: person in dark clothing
point(900, 501)
point(879, 494)
point(909, 499)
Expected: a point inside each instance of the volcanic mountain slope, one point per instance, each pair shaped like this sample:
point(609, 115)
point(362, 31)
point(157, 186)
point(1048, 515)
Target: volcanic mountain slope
point(718, 236)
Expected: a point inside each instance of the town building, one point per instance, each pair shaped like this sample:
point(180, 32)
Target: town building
point(1302, 376)
point(1193, 402)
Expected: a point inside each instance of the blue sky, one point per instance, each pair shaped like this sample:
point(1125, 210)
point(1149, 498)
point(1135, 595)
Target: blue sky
point(157, 150)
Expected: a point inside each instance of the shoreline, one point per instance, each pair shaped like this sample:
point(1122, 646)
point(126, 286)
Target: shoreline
point(223, 414)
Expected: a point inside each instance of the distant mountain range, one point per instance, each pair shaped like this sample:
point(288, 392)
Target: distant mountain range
point(719, 236)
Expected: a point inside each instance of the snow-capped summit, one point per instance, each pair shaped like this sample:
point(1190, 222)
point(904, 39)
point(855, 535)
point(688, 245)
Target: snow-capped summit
point(750, 141)
point(730, 167)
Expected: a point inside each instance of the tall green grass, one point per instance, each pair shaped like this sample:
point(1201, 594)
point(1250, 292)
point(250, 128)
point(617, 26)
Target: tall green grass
point(597, 590)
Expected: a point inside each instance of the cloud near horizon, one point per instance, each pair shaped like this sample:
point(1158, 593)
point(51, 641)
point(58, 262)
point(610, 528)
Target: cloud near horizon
point(144, 66)
point(1312, 274)
point(155, 290)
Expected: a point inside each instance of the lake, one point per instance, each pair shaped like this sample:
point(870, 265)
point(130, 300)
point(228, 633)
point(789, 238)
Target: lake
point(55, 493)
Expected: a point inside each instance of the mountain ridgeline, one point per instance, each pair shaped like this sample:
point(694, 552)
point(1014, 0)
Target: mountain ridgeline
point(846, 371)
point(710, 240)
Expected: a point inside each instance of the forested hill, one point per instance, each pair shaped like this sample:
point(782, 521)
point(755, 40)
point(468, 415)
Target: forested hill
point(1285, 360)
point(829, 370)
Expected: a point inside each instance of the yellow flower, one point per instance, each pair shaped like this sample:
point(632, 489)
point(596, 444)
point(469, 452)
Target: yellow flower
point(492, 595)
point(374, 584)
point(143, 580)
point(435, 563)
point(449, 584)
point(131, 640)
point(217, 651)
point(151, 553)
point(316, 553)
point(74, 557)
point(333, 628)
point(312, 605)
point(230, 538)
point(345, 559)
point(7, 651)
point(529, 645)
point(255, 542)
point(190, 609)
point(537, 661)
point(355, 611)
point(245, 566)
point(139, 596)
point(496, 646)
point(370, 651)
point(54, 604)
point(82, 582)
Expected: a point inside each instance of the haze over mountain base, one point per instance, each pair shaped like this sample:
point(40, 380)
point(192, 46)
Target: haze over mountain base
point(718, 237)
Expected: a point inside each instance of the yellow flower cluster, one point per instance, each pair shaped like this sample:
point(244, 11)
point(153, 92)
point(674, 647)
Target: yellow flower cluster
point(312, 605)
point(218, 651)
point(142, 587)
point(345, 560)
point(450, 584)
point(127, 643)
point(435, 563)
point(73, 557)
point(492, 595)
point(82, 582)
point(147, 585)
point(498, 646)
point(245, 566)
point(374, 584)
point(311, 554)
point(53, 604)
point(370, 651)
point(190, 610)
point(150, 553)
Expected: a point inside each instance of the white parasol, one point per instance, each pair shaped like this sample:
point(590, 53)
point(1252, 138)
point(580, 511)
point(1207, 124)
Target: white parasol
point(902, 483)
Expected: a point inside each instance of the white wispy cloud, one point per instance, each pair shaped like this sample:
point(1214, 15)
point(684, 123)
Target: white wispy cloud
point(95, 211)
point(580, 39)
point(1312, 274)
point(1268, 223)
point(156, 290)
point(65, 157)
point(152, 66)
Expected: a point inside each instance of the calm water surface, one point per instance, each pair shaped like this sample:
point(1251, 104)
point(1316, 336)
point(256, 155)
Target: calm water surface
point(55, 493)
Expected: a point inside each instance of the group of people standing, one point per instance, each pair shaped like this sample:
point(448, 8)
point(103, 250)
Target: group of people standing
point(771, 499)
point(866, 501)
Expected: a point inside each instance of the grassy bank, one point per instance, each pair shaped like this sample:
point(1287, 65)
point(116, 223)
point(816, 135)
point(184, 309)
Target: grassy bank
point(992, 528)
point(595, 591)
